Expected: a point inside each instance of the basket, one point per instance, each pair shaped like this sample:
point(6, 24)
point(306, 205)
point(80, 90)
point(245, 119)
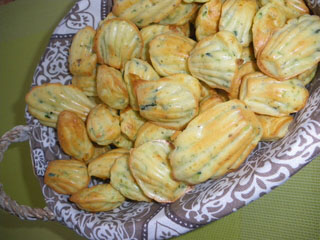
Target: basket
point(269, 165)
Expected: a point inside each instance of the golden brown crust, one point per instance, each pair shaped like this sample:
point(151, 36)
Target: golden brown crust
point(72, 136)
point(66, 176)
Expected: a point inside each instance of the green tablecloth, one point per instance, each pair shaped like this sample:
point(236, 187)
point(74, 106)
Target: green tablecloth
point(291, 211)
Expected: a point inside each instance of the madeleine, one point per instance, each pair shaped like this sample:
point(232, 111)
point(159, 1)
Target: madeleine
point(102, 126)
point(112, 51)
point(100, 166)
point(207, 21)
point(181, 14)
point(274, 128)
point(73, 137)
point(169, 102)
point(130, 122)
point(82, 60)
point(150, 168)
point(66, 176)
point(142, 69)
point(121, 179)
point(148, 33)
point(293, 49)
point(268, 96)
point(150, 131)
point(122, 142)
point(169, 53)
point(237, 17)
point(215, 60)
point(215, 142)
point(98, 198)
point(111, 87)
point(87, 84)
point(47, 101)
point(144, 12)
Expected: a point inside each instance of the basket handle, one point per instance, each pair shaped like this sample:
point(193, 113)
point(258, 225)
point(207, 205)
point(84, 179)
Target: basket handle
point(19, 134)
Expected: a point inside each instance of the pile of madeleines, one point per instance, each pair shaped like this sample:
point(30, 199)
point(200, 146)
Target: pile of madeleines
point(168, 94)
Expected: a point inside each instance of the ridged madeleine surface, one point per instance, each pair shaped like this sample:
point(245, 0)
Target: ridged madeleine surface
point(150, 167)
point(169, 102)
point(144, 12)
point(73, 137)
point(148, 33)
point(142, 69)
point(47, 101)
point(292, 49)
point(268, 96)
point(215, 142)
point(248, 67)
point(207, 21)
point(274, 128)
point(269, 18)
point(130, 122)
point(100, 167)
point(82, 59)
point(150, 131)
point(307, 76)
point(237, 17)
point(215, 60)
point(169, 53)
point(87, 84)
point(66, 176)
point(111, 88)
point(102, 126)
point(292, 8)
point(181, 14)
point(98, 198)
point(117, 41)
point(122, 180)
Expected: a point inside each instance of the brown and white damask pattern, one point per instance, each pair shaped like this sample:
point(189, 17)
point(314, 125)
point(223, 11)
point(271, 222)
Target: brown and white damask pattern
point(270, 165)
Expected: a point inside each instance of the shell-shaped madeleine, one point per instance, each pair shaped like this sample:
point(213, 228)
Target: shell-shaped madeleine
point(292, 49)
point(181, 14)
point(169, 53)
point(207, 21)
point(248, 67)
point(99, 198)
point(102, 126)
point(237, 17)
point(150, 168)
point(292, 8)
point(214, 60)
point(47, 101)
point(307, 76)
point(122, 142)
point(148, 33)
point(87, 84)
point(122, 180)
point(274, 128)
point(100, 166)
point(66, 176)
point(269, 18)
point(215, 142)
point(130, 122)
point(111, 88)
point(142, 69)
point(108, 17)
point(117, 41)
point(169, 102)
point(210, 101)
point(73, 137)
point(82, 60)
point(149, 132)
point(144, 12)
point(268, 96)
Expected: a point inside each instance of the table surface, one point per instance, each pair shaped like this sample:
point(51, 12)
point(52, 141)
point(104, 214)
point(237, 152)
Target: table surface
point(291, 211)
